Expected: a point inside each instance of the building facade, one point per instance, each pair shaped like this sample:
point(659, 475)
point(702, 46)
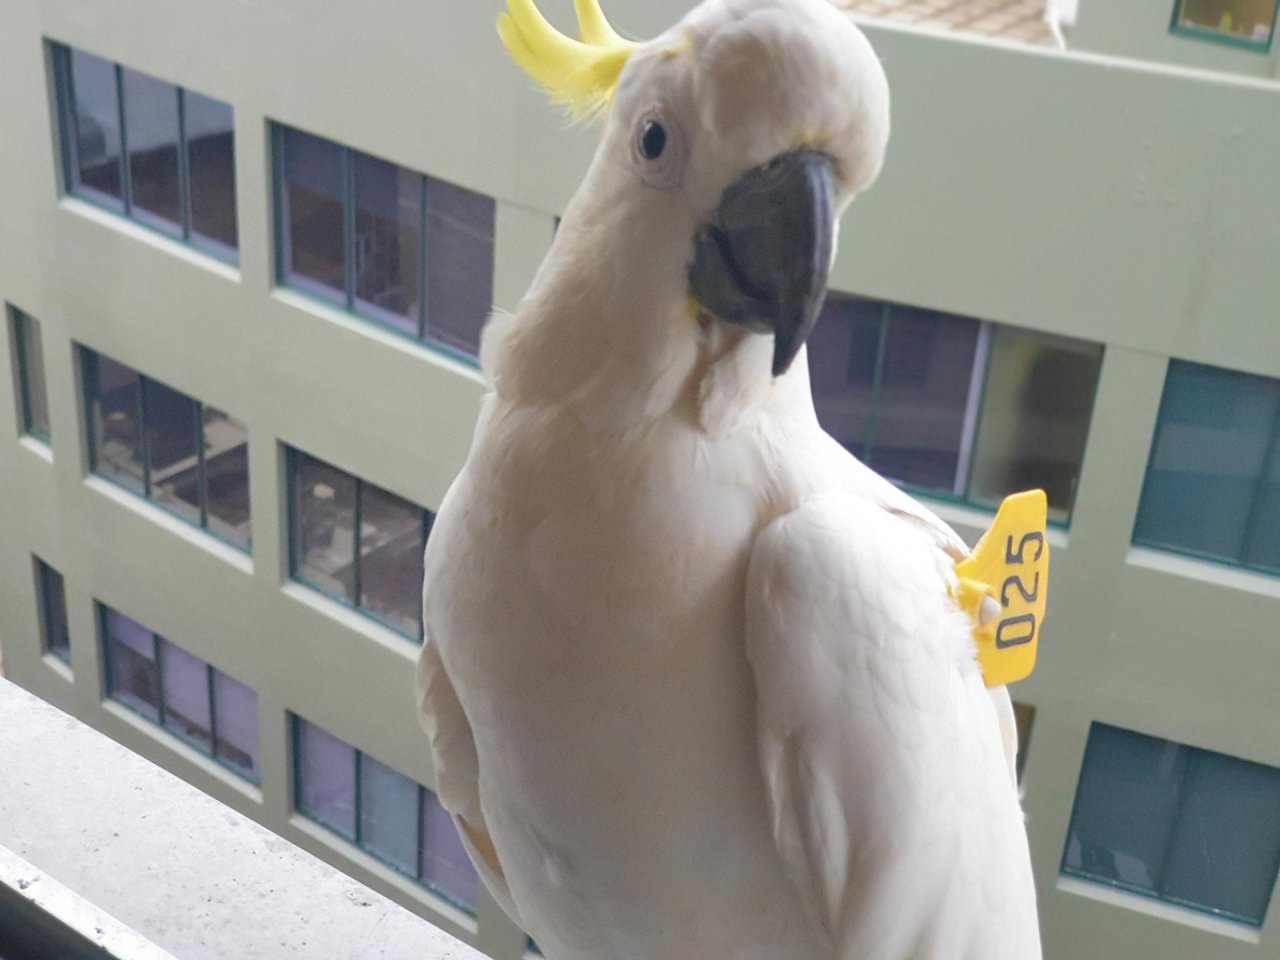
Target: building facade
point(245, 251)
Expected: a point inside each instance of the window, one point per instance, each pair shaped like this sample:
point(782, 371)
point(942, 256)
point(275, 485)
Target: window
point(28, 355)
point(406, 251)
point(1213, 480)
point(1024, 716)
point(953, 406)
point(1189, 826)
point(188, 457)
point(155, 152)
point(194, 701)
point(358, 543)
point(55, 638)
point(1249, 23)
point(386, 814)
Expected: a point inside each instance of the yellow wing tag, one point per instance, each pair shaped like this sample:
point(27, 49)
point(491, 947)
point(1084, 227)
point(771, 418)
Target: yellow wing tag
point(1011, 565)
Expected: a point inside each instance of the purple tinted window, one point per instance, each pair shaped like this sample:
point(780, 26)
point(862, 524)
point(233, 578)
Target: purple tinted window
point(210, 131)
point(446, 868)
point(924, 389)
point(459, 247)
point(842, 363)
point(151, 132)
point(185, 685)
point(388, 815)
point(172, 420)
point(115, 393)
point(324, 515)
point(53, 620)
point(388, 242)
point(131, 665)
point(326, 790)
point(391, 546)
point(313, 225)
point(94, 116)
point(235, 712)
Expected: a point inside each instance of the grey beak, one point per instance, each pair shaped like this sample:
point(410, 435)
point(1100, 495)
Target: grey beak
point(761, 260)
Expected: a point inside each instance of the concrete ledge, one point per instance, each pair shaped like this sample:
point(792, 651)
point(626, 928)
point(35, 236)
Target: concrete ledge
point(175, 866)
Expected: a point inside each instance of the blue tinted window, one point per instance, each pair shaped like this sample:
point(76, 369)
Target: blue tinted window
point(173, 437)
point(1210, 485)
point(152, 134)
point(446, 868)
point(1185, 825)
point(388, 242)
point(211, 165)
point(326, 788)
point(115, 400)
point(312, 210)
point(184, 685)
point(389, 815)
point(93, 115)
point(460, 225)
point(55, 636)
point(131, 664)
point(235, 718)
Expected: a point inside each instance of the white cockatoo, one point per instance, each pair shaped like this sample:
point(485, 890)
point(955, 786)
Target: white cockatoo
point(699, 684)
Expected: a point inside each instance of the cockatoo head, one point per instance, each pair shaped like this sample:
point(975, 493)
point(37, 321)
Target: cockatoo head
point(732, 144)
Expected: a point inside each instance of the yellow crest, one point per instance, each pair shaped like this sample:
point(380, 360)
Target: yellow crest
point(581, 74)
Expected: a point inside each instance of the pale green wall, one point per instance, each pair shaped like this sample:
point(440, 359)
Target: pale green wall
point(1140, 28)
point(1111, 200)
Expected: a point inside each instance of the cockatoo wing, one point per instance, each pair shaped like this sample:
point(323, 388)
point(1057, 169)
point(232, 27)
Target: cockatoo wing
point(453, 750)
point(882, 751)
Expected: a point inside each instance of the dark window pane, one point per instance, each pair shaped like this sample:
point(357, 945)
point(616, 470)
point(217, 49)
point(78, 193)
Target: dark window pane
point(235, 717)
point(1227, 844)
point(116, 404)
point(151, 133)
point(459, 264)
point(327, 771)
point(1125, 808)
point(842, 363)
point(311, 195)
point(446, 868)
point(324, 527)
point(924, 389)
point(172, 433)
point(95, 137)
point(1264, 533)
point(387, 242)
point(210, 129)
point(1209, 451)
point(53, 612)
point(1035, 417)
point(226, 477)
point(34, 401)
point(391, 546)
point(389, 815)
point(131, 665)
point(185, 688)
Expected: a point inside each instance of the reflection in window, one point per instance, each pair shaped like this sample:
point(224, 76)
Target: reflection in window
point(332, 513)
point(1213, 481)
point(951, 405)
point(1250, 22)
point(199, 704)
point(407, 251)
point(51, 594)
point(180, 178)
point(151, 132)
point(190, 458)
point(400, 822)
point(28, 353)
point(1189, 826)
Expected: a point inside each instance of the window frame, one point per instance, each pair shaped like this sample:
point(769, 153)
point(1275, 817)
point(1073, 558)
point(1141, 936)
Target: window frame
point(295, 792)
point(1178, 29)
point(90, 385)
point(211, 750)
point(44, 604)
point(1250, 527)
point(18, 320)
point(1176, 821)
point(293, 458)
point(345, 299)
point(64, 98)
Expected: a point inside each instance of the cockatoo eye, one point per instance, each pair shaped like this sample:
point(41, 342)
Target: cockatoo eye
point(658, 150)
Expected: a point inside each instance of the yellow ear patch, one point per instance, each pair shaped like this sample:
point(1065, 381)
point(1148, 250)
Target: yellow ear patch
point(1010, 564)
point(580, 74)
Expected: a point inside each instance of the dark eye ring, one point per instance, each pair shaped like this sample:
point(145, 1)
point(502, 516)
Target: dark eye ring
point(653, 140)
